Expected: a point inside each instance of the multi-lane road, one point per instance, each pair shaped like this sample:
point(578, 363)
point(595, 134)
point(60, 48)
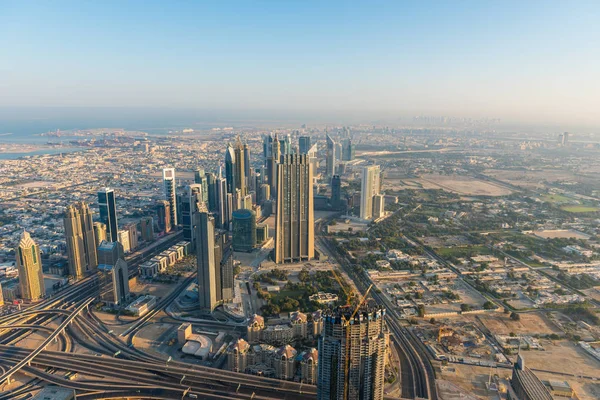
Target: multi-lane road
point(417, 373)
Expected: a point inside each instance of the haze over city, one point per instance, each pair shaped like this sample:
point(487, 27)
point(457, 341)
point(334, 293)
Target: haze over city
point(533, 63)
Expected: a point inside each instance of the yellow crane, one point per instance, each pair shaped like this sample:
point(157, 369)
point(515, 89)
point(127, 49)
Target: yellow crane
point(347, 321)
point(339, 281)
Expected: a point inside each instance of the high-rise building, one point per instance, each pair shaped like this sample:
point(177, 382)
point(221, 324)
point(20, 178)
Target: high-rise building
point(147, 229)
point(133, 235)
point(330, 157)
point(348, 151)
point(114, 277)
point(564, 139)
point(205, 258)
point(294, 223)
point(272, 161)
point(369, 188)
point(248, 173)
point(211, 183)
point(191, 196)
point(222, 204)
point(99, 233)
point(378, 206)
point(171, 193)
point(29, 264)
point(230, 168)
point(163, 211)
point(200, 178)
point(224, 265)
point(240, 168)
point(244, 230)
point(124, 240)
point(80, 240)
point(352, 355)
point(108, 212)
point(1, 296)
point(336, 192)
point(304, 144)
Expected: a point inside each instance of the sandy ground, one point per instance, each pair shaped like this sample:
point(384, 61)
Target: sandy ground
point(464, 185)
point(529, 324)
point(561, 233)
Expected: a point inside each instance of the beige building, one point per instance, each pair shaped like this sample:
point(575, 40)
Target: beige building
point(294, 222)
point(309, 366)
point(255, 326)
point(284, 362)
point(237, 356)
point(81, 240)
point(369, 189)
point(29, 264)
point(99, 232)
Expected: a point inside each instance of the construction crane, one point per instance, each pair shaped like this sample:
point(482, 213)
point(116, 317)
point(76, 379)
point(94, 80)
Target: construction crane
point(347, 322)
point(339, 281)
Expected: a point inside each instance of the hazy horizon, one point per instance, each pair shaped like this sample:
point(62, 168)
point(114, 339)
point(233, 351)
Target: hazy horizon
point(528, 64)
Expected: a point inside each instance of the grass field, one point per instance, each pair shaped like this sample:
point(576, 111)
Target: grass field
point(580, 209)
point(555, 198)
point(462, 251)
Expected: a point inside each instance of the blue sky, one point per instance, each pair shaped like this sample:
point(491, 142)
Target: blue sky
point(518, 60)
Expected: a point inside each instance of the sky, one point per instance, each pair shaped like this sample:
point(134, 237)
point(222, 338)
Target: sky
point(526, 61)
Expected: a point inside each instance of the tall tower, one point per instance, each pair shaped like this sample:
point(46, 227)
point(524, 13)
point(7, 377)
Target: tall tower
point(240, 168)
point(29, 264)
point(352, 355)
point(369, 188)
point(221, 199)
point(163, 210)
point(99, 233)
point(330, 157)
point(108, 213)
point(295, 222)
point(200, 178)
point(247, 166)
point(336, 192)
point(191, 197)
point(304, 144)
point(114, 273)
point(205, 258)
point(272, 162)
point(170, 192)
point(80, 240)
point(230, 168)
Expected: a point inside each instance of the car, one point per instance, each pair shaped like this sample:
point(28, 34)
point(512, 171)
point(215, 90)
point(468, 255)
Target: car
point(193, 396)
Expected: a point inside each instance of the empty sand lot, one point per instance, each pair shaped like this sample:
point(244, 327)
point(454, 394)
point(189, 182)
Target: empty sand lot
point(529, 324)
point(464, 185)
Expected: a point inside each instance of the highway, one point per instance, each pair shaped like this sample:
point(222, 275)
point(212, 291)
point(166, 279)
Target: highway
point(417, 373)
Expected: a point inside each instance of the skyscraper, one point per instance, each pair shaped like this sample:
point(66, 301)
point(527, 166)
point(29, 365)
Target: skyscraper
point(240, 168)
point(80, 240)
point(222, 204)
point(272, 162)
point(336, 192)
point(147, 229)
point(348, 151)
point(304, 144)
point(294, 223)
point(205, 259)
point(114, 273)
point(163, 211)
point(108, 212)
point(330, 158)
point(171, 193)
point(201, 179)
point(99, 233)
point(224, 266)
point(244, 230)
point(247, 166)
point(352, 355)
point(191, 196)
point(230, 168)
point(369, 188)
point(29, 264)
point(211, 183)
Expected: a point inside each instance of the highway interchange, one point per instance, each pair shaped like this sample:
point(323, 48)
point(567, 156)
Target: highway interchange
point(117, 369)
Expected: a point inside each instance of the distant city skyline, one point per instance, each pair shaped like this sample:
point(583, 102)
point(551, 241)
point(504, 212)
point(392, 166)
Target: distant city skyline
point(531, 63)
